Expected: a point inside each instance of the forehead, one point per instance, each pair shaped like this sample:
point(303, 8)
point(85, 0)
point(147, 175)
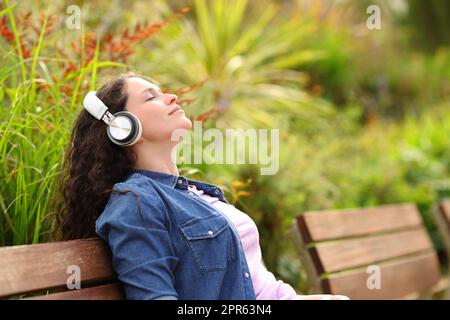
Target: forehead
point(136, 86)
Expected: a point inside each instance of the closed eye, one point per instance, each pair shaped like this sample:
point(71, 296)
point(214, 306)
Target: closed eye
point(149, 99)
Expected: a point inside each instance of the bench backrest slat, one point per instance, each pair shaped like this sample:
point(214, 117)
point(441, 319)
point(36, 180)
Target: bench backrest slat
point(38, 267)
point(397, 279)
point(334, 224)
point(346, 254)
point(105, 292)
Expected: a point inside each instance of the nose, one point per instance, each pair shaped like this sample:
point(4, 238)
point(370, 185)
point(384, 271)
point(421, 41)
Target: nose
point(171, 98)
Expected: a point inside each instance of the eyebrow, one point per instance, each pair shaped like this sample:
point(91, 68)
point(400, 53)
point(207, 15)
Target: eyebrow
point(150, 89)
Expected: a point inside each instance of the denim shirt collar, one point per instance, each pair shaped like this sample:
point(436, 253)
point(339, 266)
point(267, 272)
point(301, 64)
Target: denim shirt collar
point(165, 178)
point(181, 182)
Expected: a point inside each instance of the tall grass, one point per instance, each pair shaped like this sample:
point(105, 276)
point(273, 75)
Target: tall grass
point(34, 133)
point(41, 85)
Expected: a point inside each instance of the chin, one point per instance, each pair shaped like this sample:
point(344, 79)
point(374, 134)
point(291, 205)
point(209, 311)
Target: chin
point(186, 124)
point(182, 127)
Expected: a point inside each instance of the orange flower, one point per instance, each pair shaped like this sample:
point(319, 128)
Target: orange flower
point(203, 117)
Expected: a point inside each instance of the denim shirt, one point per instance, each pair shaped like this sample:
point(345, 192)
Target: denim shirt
point(168, 243)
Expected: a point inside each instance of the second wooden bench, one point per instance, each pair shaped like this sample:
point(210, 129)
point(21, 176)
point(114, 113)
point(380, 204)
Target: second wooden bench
point(343, 251)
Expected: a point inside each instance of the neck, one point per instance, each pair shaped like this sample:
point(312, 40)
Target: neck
point(155, 157)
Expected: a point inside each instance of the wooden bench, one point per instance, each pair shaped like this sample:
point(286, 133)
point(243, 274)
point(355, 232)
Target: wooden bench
point(41, 271)
point(442, 217)
point(343, 250)
point(335, 247)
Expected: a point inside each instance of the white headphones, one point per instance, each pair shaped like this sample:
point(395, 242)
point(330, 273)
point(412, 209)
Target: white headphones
point(124, 128)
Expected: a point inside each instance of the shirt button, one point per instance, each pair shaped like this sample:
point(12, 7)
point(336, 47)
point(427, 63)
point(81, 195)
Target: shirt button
point(246, 274)
point(180, 181)
point(210, 232)
point(217, 191)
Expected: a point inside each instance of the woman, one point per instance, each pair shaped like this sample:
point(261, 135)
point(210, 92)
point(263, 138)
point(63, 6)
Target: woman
point(170, 237)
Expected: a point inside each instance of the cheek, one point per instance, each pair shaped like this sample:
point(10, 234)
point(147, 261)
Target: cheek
point(158, 126)
point(153, 123)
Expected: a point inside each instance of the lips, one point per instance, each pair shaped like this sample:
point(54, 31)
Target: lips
point(175, 110)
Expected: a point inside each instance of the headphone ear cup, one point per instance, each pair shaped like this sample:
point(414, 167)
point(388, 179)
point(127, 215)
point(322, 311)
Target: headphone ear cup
point(127, 131)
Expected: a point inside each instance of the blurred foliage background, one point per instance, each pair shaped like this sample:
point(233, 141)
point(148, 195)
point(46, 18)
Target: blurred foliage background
point(363, 114)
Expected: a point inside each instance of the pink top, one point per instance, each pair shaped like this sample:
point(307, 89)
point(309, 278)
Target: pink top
point(264, 282)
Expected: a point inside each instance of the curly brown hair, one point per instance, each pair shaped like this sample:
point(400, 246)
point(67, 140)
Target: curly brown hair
point(93, 164)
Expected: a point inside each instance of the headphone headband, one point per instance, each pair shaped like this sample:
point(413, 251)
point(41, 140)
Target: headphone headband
point(94, 105)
